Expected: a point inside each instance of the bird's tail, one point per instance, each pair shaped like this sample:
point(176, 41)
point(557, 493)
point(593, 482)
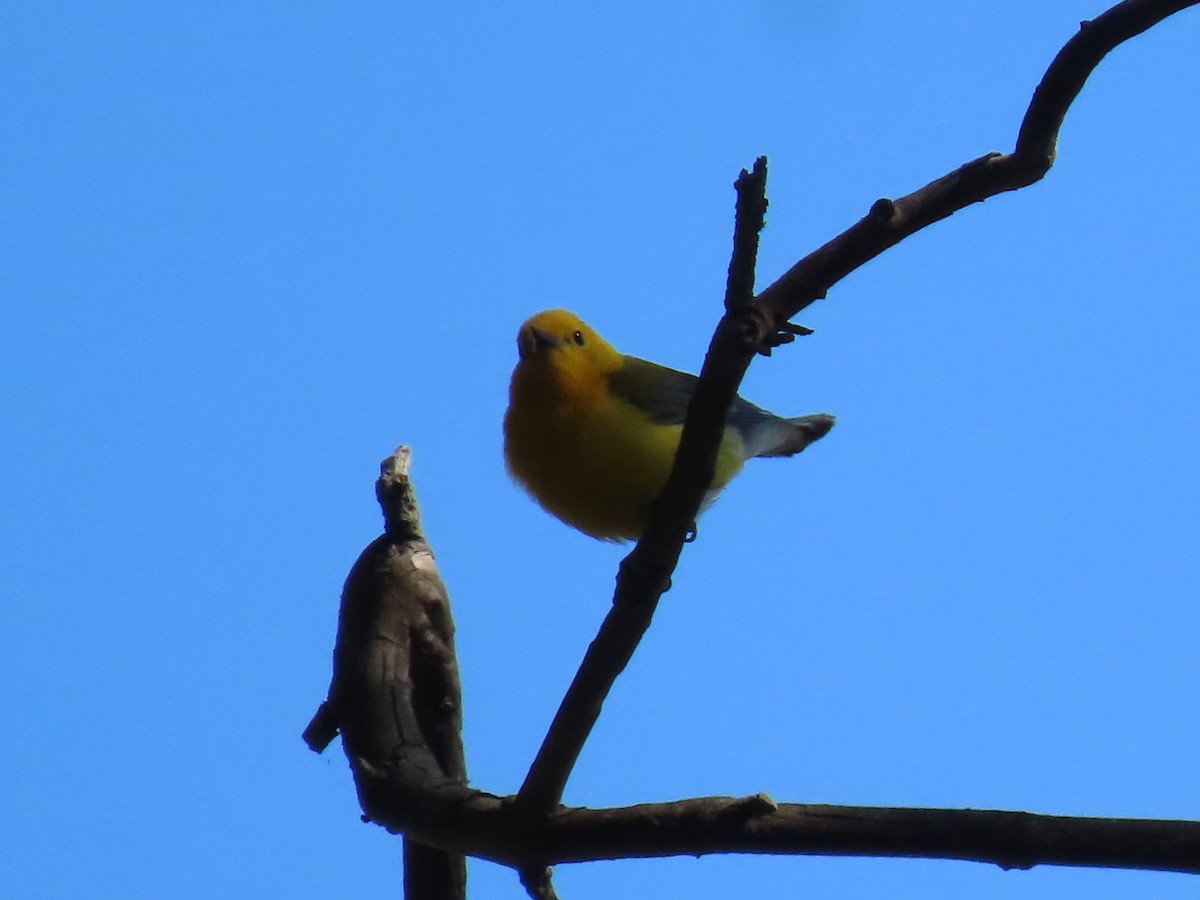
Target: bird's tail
point(803, 431)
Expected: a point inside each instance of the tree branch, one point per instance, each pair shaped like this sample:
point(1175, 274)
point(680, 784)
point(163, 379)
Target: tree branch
point(646, 573)
point(395, 694)
point(890, 221)
point(482, 825)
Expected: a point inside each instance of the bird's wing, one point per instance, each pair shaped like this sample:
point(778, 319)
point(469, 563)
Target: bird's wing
point(664, 394)
point(661, 393)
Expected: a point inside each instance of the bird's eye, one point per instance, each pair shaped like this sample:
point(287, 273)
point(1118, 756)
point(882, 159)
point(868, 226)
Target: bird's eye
point(577, 337)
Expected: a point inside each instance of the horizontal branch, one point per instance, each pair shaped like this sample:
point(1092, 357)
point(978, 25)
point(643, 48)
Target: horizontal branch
point(1012, 840)
point(483, 825)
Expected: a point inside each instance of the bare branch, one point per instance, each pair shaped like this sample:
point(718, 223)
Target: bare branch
point(1007, 839)
point(890, 221)
point(395, 694)
point(645, 574)
point(749, 218)
point(485, 826)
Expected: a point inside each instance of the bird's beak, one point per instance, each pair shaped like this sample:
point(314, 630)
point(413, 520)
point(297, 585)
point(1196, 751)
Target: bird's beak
point(531, 340)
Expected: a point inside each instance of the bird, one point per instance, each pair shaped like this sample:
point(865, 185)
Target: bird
point(591, 433)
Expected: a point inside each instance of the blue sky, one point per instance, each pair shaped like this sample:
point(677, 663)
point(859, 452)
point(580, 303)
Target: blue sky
point(247, 249)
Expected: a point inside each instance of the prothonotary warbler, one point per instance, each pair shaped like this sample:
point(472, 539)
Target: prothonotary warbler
point(591, 433)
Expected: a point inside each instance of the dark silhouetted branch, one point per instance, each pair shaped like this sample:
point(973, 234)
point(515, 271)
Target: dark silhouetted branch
point(395, 694)
point(890, 221)
point(482, 825)
point(645, 574)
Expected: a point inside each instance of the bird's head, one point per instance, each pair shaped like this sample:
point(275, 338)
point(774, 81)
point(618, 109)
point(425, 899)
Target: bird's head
point(560, 339)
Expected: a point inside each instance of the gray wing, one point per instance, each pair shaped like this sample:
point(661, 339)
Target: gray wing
point(663, 394)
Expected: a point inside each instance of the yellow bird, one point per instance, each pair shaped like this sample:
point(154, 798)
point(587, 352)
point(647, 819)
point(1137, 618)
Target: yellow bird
point(591, 433)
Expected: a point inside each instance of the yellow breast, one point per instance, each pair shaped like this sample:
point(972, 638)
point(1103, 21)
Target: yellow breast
point(591, 459)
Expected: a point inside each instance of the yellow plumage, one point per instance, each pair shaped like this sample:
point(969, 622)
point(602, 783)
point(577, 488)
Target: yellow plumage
point(592, 433)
